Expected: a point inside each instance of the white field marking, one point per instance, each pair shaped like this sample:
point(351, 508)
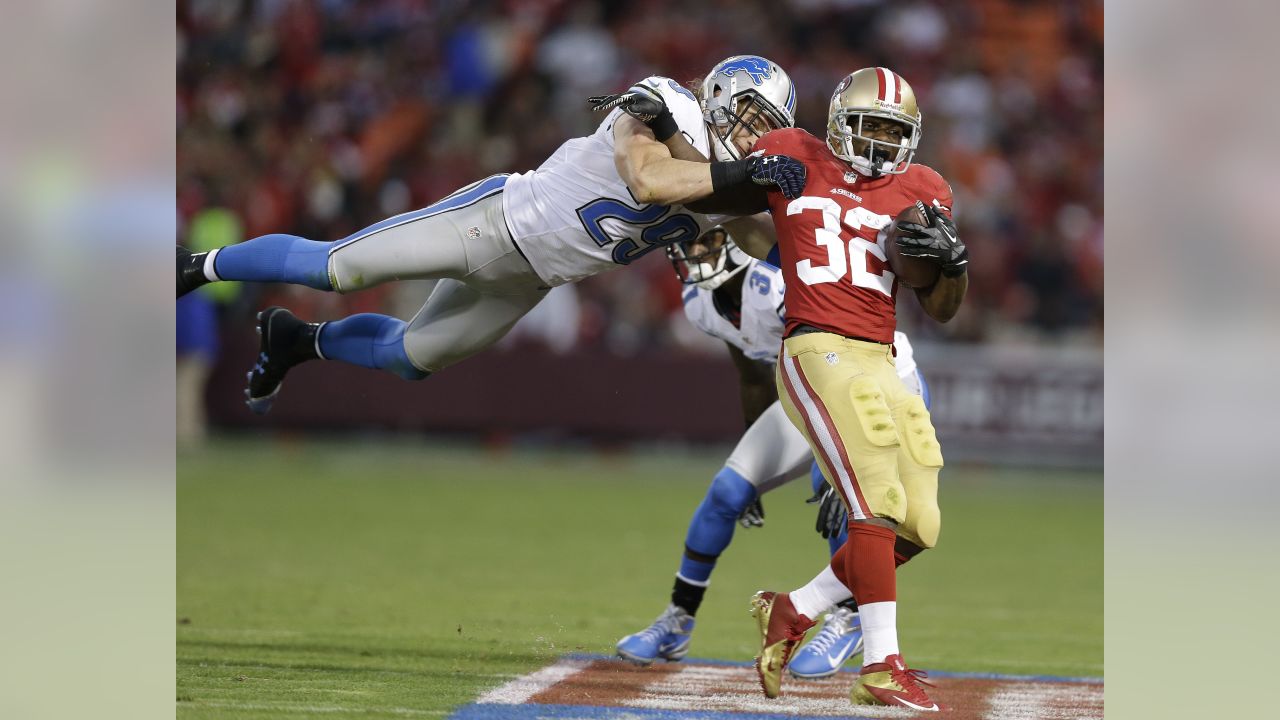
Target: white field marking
point(1041, 701)
point(313, 709)
point(297, 668)
point(736, 689)
point(522, 688)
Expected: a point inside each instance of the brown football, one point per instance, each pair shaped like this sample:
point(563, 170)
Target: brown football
point(912, 272)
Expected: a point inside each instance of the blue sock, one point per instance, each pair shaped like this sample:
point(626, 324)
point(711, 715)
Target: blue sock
point(369, 340)
point(711, 529)
point(276, 258)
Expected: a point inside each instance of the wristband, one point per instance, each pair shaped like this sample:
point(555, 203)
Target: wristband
point(728, 174)
point(664, 125)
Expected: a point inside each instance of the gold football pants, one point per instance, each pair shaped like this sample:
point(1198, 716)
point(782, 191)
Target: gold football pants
point(872, 437)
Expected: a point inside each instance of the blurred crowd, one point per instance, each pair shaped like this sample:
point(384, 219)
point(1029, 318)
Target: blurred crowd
point(319, 117)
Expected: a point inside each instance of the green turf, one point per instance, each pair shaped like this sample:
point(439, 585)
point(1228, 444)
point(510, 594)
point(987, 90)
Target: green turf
point(402, 579)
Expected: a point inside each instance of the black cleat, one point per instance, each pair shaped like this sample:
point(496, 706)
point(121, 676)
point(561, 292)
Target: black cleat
point(190, 271)
point(285, 342)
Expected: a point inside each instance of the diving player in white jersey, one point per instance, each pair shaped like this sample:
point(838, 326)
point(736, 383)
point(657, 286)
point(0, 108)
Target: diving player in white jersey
point(738, 299)
point(498, 245)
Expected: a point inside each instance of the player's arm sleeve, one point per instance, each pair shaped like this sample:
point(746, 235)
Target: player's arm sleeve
point(756, 385)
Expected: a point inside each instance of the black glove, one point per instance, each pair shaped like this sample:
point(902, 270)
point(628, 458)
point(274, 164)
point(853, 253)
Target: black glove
point(832, 518)
point(787, 173)
point(938, 242)
point(643, 103)
point(752, 515)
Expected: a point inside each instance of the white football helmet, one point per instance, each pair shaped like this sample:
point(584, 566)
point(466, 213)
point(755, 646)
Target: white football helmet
point(737, 91)
point(875, 92)
point(709, 265)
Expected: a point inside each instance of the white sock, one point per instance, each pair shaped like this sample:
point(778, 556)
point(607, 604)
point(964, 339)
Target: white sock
point(821, 593)
point(209, 272)
point(879, 631)
point(320, 329)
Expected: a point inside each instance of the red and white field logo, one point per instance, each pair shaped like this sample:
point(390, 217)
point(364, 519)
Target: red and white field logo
point(588, 687)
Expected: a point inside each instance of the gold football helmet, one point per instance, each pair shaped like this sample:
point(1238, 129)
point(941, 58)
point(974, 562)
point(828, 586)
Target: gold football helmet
point(873, 92)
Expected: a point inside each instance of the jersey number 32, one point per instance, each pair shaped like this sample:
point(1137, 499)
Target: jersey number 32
point(844, 258)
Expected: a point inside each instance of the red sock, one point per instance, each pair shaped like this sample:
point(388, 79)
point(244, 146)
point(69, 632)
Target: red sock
point(869, 563)
point(837, 564)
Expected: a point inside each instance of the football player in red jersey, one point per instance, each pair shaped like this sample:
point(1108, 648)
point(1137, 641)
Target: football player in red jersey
point(835, 376)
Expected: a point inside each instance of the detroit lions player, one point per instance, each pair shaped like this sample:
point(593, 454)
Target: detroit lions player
point(498, 245)
point(736, 298)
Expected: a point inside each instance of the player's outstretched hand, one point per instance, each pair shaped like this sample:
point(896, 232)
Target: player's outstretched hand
point(752, 515)
point(643, 102)
point(640, 101)
point(937, 242)
point(785, 173)
point(831, 514)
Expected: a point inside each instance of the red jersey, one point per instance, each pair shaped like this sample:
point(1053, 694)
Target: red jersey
point(833, 263)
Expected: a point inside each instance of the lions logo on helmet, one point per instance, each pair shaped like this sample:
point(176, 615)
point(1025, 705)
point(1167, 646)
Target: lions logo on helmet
point(708, 261)
point(746, 92)
point(873, 92)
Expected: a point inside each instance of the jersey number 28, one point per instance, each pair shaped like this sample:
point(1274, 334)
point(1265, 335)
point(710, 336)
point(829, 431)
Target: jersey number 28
point(854, 262)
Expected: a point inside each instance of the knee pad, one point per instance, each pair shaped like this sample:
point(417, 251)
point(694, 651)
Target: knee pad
point(873, 411)
point(919, 436)
point(925, 526)
point(730, 493)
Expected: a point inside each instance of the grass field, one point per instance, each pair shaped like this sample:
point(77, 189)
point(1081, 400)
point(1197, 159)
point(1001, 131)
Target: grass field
point(372, 579)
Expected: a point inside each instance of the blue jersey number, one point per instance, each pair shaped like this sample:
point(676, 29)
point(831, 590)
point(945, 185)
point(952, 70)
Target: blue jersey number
point(759, 282)
point(657, 229)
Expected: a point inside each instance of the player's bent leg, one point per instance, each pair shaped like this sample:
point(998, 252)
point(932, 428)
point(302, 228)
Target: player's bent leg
point(667, 638)
point(459, 320)
point(713, 522)
point(710, 532)
point(368, 340)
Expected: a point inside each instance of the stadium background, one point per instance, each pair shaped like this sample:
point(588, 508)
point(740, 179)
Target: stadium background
point(310, 541)
point(319, 118)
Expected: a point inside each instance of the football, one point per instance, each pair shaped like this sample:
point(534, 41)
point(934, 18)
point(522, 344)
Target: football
point(912, 272)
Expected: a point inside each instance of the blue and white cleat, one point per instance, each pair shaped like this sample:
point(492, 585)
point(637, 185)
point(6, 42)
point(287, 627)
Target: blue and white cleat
point(839, 639)
point(666, 638)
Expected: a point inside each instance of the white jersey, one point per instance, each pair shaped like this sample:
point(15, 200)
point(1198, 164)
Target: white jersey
point(758, 333)
point(574, 217)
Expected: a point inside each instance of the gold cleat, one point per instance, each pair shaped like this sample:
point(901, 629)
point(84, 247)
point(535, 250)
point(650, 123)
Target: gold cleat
point(892, 683)
point(781, 629)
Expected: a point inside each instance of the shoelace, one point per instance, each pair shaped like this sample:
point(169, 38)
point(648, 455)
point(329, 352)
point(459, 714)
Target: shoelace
point(832, 630)
point(911, 680)
point(667, 622)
